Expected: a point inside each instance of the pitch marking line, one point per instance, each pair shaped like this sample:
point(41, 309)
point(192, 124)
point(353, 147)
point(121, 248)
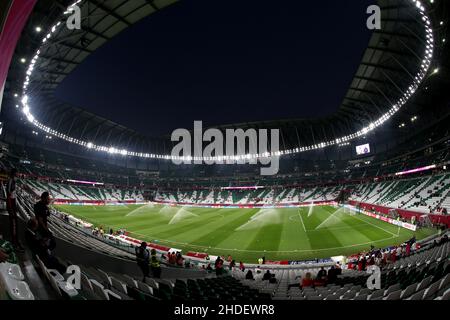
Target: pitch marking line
point(301, 219)
point(393, 234)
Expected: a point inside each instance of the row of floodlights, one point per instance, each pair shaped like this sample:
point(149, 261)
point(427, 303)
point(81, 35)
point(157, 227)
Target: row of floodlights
point(342, 141)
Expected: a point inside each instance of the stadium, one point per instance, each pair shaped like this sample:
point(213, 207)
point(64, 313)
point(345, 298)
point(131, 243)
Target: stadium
point(357, 208)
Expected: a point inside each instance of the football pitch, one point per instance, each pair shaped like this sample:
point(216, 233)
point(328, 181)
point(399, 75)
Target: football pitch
point(247, 234)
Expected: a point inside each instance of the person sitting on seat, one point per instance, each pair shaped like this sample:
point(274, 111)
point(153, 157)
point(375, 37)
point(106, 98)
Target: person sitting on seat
point(272, 278)
point(41, 245)
point(249, 275)
point(307, 281)
point(218, 266)
point(179, 259)
point(267, 275)
point(241, 266)
point(322, 274)
point(332, 275)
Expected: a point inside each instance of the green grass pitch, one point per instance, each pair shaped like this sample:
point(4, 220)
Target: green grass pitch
point(247, 234)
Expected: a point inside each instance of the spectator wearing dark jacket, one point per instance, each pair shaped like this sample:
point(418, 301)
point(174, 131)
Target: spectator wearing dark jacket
point(332, 275)
point(41, 245)
point(249, 275)
point(143, 259)
point(42, 212)
point(322, 274)
point(267, 275)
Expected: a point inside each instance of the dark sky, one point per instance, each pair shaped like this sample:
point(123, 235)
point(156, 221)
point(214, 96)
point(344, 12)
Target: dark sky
point(224, 62)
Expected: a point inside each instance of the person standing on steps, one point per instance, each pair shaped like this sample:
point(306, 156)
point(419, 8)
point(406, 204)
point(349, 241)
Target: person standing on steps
point(11, 206)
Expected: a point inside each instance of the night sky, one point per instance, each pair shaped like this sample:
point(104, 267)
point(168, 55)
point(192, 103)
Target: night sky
point(224, 62)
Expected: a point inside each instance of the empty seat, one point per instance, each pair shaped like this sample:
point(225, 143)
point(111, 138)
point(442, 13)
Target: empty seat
point(445, 282)
point(376, 294)
point(105, 277)
point(424, 283)
point(349, 295)
point(365, 291)
point(145, 288)
point(129, 281)
point(152, 283)
point(118, 285)
point(395, 295)
point(314, 298)
point(409, 290)
point(418, 295)
point(361, 297)
point(445, 296)
point(431, 291)
point(298, 298)
point(87, 288)
point(394, 287)
point(99, 290)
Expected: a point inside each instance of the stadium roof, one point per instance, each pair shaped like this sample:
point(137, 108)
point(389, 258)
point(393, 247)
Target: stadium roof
point(390, 64)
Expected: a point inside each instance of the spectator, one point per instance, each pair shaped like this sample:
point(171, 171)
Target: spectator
point(156, 267)
point(218, 266)
point(232, 264)
point(364, 262)
point(179, 259)
point(174, 258)
point(209, 268)
point(249, 275)
point(143, 258)
point(42, 212)
point(332, 276)
point(42, 245)
point(307, 281)
point(241, 266)
point(393, 255)
point(11, 207)
point(338, 269)
point(272, 279)
point(322, 274)
point(267, 275)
